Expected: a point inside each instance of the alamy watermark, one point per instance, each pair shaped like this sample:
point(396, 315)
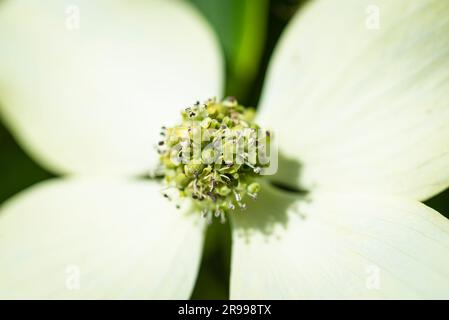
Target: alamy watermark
point(247, 146)
point(72, 17)
point(73, 277)
point(372, 21)
point(373, 277)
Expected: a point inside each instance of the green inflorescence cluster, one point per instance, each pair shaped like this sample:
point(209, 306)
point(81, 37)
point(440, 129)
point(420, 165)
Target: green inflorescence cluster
point(216, 183)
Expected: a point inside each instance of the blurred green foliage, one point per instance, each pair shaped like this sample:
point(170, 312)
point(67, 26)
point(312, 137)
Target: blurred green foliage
point(17, 170)
point(248, 31)
point(241, 28)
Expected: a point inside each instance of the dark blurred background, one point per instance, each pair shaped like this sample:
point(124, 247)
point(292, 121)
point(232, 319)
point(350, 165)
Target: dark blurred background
point(248, 31)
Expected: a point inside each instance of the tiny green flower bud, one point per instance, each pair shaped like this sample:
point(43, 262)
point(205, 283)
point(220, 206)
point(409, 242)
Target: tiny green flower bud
point(207, 170)
point(230, 102)
point(209, 156)
point(227, 121)
point(253, 188)
point(224, 191)
point(182, 181)
point(206, 123)
point(166, 161)
point(193, 170)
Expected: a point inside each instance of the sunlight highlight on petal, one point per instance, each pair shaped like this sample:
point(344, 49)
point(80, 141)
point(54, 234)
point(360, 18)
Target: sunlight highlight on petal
point(86, 85)
point(364, 106)
point(339, 246)
point(96, 239)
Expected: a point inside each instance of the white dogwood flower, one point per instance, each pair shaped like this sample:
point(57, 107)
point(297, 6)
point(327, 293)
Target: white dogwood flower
point(362, 118)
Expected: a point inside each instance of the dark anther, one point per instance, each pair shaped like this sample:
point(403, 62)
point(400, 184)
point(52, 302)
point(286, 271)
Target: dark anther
point(212, 196)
